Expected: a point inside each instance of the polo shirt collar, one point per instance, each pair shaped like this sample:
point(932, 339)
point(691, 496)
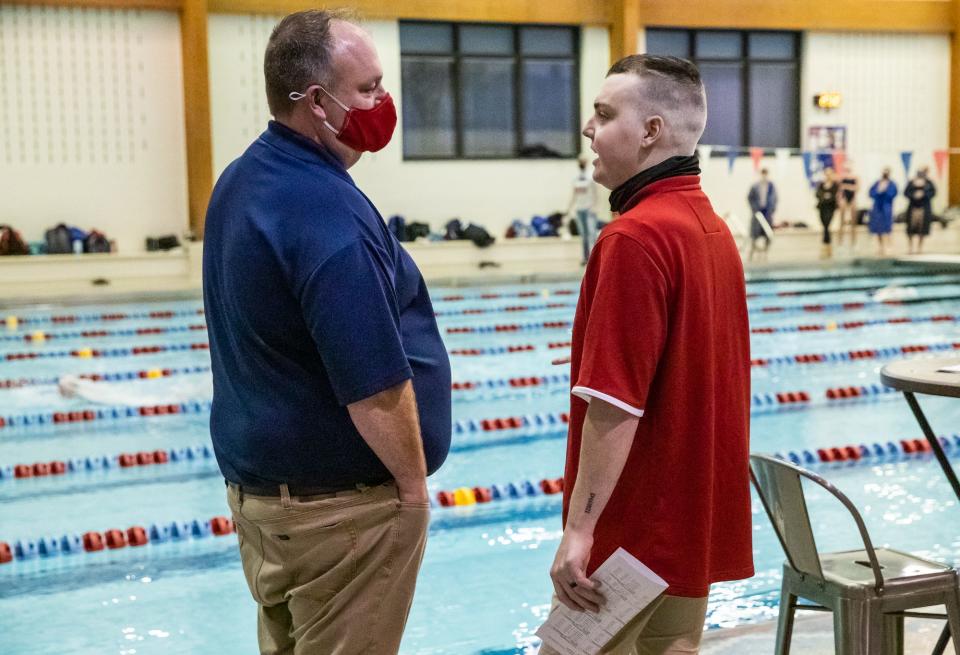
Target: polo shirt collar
point(297, 145)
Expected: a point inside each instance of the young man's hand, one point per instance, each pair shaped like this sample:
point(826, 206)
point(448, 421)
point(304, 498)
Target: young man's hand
point(574, 589)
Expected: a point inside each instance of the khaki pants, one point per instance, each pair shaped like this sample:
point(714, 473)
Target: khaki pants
point(670, 625)
point(332, 574)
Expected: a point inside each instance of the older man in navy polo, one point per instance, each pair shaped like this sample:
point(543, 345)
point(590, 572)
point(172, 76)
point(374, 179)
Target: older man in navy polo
point(331, 396)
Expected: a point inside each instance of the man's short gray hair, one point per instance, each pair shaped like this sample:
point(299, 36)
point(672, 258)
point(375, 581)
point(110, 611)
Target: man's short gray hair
point(298, 55)
point(674, 84)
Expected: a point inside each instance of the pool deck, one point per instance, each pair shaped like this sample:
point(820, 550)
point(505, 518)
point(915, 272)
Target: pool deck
point(812, 635)
point(98, 278)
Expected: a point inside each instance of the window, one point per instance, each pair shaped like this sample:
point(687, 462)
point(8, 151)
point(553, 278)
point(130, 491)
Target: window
point(489, 91)
point(752, 81)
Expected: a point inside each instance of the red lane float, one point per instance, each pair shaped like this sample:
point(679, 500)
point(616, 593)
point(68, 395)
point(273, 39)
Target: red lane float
point(92, 542)
point(137, 536)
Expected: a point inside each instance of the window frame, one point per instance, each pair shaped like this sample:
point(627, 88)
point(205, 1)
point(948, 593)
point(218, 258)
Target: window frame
point(517, 58)
point(745, 61)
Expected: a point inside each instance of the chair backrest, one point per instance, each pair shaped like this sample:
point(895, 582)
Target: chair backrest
point(779, 486)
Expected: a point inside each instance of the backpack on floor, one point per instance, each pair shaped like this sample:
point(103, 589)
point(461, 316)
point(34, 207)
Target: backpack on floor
point(167, 242)
point(480, 237)
point(453, 230)
point(11, 243)
point(542, 227)
point(59, 240)
point(417, 230)
point(96, 242)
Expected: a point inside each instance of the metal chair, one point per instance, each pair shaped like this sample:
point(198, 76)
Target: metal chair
point(869, 591)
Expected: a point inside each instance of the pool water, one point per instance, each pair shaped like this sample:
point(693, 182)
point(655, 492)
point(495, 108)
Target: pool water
point(484, 586)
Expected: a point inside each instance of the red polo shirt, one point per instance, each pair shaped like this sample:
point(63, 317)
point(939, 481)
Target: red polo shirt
point(661, 331)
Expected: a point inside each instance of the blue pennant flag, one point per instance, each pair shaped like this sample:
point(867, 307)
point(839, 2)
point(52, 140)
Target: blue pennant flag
point(731, 160)
point(826, 161)
point(906, 157)
point(808, 165)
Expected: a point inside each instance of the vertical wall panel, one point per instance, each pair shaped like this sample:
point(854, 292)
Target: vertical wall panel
point(238, 100)
point(91, 124)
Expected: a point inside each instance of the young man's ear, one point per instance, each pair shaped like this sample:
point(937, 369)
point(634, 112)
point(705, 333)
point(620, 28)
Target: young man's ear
point(652, 130)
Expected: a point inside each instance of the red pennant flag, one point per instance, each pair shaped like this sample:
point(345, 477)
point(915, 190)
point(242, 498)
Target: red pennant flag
point(756, 154)
point(839, 158)
point(940, 159)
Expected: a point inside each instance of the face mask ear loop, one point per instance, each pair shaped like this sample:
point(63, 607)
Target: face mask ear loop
point(296, 95)
point(334, 98)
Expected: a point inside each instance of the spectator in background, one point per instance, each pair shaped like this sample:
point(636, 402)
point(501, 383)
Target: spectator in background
point(849, 186)
point(763, 201)
point(582, 201)
point(919, 192)
point(827, 192)
point(883, 192)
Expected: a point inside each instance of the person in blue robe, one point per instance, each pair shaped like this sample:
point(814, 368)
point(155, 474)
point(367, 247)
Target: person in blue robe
point(883, 192)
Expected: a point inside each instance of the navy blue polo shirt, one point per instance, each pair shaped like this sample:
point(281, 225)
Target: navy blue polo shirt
point(311, 305)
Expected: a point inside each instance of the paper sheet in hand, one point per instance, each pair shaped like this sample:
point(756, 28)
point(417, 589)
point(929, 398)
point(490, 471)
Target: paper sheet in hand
point(949, 369)
point(628, 586)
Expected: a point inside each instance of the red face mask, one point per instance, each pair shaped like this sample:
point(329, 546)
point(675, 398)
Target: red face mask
point(363, 130)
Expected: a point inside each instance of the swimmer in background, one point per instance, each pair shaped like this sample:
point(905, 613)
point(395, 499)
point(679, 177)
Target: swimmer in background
point(188, 389)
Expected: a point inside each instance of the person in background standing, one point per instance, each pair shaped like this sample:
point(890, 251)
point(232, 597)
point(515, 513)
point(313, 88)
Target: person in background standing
point(849, 186)
point(763, 200)
point(919, 192)
point(827, 192)
point(883, 192)
point(582, 201)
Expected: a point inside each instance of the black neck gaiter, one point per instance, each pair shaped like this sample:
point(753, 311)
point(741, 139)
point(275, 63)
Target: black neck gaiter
point(625, 196)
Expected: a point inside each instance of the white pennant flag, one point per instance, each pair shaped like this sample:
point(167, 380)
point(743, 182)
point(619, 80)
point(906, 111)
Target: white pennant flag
point(782, 158)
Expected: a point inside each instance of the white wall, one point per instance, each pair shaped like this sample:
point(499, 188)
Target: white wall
point(91, 122)
point(238, 101)
point(896, 96)
point(491, 193)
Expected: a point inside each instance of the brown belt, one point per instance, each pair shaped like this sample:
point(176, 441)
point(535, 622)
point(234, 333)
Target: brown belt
point(296, 490)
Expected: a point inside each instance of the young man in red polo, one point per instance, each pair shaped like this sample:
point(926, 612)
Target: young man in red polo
point(657, 457)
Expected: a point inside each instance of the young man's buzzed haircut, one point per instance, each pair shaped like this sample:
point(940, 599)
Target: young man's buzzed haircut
point(674, 85)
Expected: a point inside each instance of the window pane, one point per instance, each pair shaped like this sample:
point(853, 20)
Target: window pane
point(718, 45)
point(772, 45)
point(546, 40)
point(426, 37)
point(487, 102)
point(549, 116)
point(427, 98)
point(724, 87)
point(669, 42)
point(773, 105)
point(486, 40)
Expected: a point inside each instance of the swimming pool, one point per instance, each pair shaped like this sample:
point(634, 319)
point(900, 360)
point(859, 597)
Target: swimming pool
point(484, 585)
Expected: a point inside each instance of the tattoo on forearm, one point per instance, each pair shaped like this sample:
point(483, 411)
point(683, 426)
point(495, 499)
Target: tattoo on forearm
point(589, 506)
